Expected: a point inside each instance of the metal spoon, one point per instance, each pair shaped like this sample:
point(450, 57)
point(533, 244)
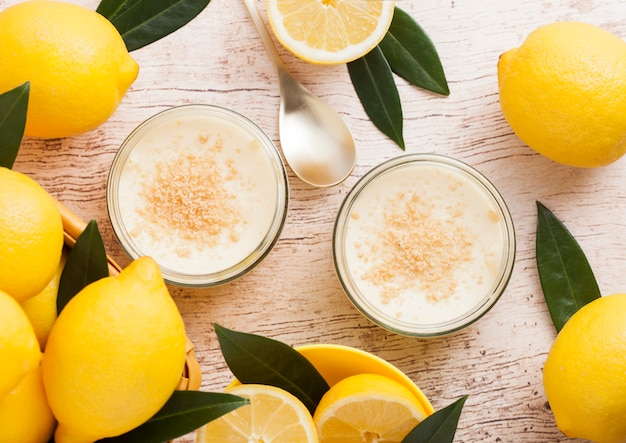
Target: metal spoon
point(316, 142)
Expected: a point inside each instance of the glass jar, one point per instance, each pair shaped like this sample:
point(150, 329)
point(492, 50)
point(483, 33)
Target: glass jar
point(423, 245)
point(202, 190)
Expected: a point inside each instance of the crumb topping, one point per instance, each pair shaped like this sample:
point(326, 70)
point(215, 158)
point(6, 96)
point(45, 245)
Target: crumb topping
point(417, 248)
point(189, 197)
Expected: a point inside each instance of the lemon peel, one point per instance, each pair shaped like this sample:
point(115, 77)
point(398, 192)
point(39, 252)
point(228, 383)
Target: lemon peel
point(75, 60)
point(25, 415)
point(31, 234)
point(19, 349)
point(115, 355)
point(583, 375)
point(41, 309)
point(563, 92)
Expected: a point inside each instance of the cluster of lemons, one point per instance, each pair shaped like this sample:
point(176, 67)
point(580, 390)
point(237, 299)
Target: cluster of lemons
point(107, 363)
point(116, 352)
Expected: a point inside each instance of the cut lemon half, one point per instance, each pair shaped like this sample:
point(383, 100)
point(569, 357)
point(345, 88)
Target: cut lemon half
point(330, 31)
point(273, 416)
point(367, 408)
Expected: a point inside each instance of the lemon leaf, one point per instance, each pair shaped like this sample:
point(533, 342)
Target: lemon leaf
point(567, 280)
point(86, 263)
point(374, 84)
point(13, 107)
point(439, 427)
point(412, 55)
point(256, 359)
point(142, 22)
point(183, 413)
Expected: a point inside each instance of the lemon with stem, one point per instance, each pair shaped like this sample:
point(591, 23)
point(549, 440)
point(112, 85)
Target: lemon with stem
point(115, 355)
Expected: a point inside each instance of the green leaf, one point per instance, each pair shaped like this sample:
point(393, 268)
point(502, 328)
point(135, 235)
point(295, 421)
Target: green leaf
point(142, 22)
point(374, 84)
point(566, 277)
point(86, 263)
point(439, 427)
point(183, 413)
point(256, 359)
point(412, 55)
point(13, 107)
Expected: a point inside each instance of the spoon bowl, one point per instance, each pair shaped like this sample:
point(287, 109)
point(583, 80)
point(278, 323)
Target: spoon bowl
point(316, 143)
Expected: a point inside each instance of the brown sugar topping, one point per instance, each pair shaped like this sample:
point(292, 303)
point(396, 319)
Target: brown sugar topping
point(189, 196)
point(418, 249)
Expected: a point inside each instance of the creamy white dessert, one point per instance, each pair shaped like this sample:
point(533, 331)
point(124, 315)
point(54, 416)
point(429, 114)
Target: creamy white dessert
point(423, 244)
point(198, 194)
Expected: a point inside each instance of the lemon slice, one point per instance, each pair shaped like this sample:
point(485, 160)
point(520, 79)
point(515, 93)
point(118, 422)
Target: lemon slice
point(367, 407)
point(273, 416)
point(330, 31)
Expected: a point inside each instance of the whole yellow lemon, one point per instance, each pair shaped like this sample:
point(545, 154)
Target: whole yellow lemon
point(585, 373)
point(563, 92)
point(115, 355)
point(25, 416)
point(19, 349)
point(31, 235)
point(76, 62)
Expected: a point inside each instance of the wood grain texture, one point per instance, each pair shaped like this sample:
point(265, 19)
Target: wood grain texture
point(294, 295)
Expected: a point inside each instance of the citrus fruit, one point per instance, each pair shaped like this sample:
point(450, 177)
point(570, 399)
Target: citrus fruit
point(584, 372)
point(273, 416)
point(25, 416)
point(366, 408)
point(75, 60)
point(41, 309)
point(115, 355)
point(31, 235)
point(563, 92)
point(19, 350)
point(330, 31)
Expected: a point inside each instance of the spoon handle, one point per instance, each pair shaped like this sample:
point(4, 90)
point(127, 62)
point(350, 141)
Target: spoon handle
point(265, 36)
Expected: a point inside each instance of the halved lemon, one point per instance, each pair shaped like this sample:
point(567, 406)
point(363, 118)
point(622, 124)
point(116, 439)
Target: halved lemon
point(366, 408)
point(273, 416)
point(330, 31)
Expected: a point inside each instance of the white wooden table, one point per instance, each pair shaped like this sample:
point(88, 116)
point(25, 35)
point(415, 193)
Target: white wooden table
point(294, 295)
